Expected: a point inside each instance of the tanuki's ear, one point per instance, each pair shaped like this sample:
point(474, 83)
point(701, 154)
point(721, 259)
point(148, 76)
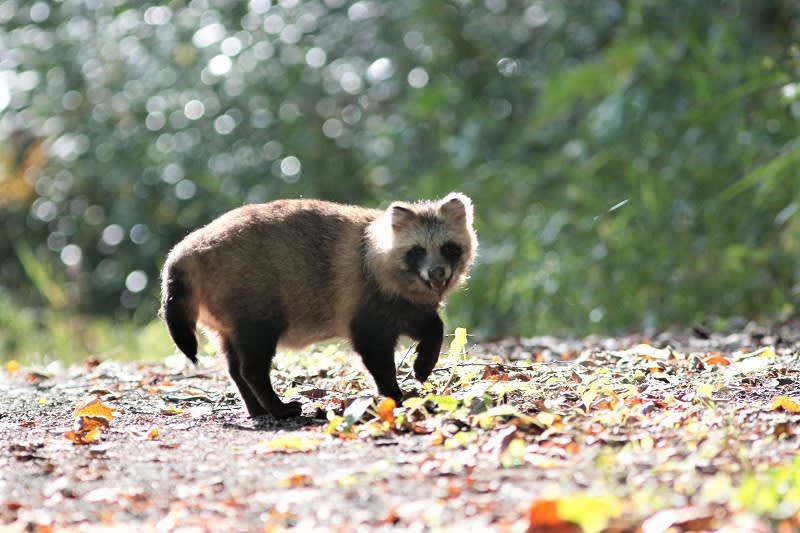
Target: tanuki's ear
point(401, 214)
point(456, 207)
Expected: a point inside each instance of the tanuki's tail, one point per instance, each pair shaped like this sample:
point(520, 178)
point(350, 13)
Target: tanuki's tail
point(177, 309)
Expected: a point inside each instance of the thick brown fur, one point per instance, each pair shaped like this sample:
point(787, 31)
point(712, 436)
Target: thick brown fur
point(295, 272)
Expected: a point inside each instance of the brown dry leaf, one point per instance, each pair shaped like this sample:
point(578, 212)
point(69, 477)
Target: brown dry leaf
point(786, 403)
point(494, 373)
point(94, 408)
point(386, 411)
point(391, 517)
point(717, 358)
point(314, 394)
point(298, 479)
point(782, 428)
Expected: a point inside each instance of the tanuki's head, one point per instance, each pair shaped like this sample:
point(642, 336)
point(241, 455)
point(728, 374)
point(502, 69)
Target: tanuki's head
point(423, 251)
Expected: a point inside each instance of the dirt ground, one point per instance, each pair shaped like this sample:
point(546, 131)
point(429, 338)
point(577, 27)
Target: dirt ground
point(681, 429)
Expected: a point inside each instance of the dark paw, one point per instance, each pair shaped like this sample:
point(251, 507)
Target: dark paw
point(396, 395)
point(255, 411)
point(410, 394)
point(287, 410)
point(422, 370)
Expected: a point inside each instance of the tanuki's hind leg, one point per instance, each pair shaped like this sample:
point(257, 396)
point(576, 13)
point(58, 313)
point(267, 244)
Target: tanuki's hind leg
point(251, 403)
point(254, 345)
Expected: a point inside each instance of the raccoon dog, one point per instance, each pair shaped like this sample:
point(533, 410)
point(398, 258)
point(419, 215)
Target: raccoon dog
point(293, 272)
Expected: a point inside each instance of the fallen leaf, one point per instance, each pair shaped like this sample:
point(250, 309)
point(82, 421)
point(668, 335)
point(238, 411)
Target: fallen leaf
point(391, 517)
point(543, 515)
point(690, 519)
point(83, 438)
point(494, 373)
point(12, 366)
point(288, 443)
point(783, 428)
point(386, 411)
point(84, 424)
point(785, 403)
point(717, 359)
point(356, 410)
point(172, 410)
point(514, 454)
point(95, 408)
point(546, 419)
point(297, 479)
point(590, 513)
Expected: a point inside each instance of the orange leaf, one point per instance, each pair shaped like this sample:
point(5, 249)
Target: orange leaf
point(85, 424)
point(717, 359)
point(94, 408)
point(543, 513)
point(386, 411)
point(83, 438)
point(785, 403)
point(494, 373)
point(298, 479)
point(391, 517)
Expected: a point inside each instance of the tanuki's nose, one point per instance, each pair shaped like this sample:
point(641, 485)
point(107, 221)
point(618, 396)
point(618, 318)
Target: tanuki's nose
point(436, 273)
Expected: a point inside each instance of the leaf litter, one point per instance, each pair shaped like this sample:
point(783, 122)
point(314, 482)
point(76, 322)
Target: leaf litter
point(676, 432)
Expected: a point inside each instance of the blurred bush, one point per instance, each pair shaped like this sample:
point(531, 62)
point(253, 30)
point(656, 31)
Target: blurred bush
point(633, 163)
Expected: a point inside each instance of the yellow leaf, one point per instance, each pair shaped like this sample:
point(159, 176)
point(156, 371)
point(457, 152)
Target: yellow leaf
point(459, 342)
point(93, 407)
point(785, 403)
point(591, 513)
point(172, 410)
point(545, 419)
point(43, 400)
point(704, 390)
point(289, 443)
point(767, 351)
point(12, 366)
point(152, 434)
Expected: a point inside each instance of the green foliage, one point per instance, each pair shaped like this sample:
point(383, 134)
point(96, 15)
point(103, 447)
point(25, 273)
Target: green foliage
point(774, 493)
point(43, 335)
point(156, 117)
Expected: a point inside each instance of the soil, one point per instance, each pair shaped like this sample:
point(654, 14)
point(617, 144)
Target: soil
point(179, 454)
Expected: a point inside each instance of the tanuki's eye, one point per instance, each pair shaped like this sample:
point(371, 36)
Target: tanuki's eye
point(416, 252)
point(451, 251)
